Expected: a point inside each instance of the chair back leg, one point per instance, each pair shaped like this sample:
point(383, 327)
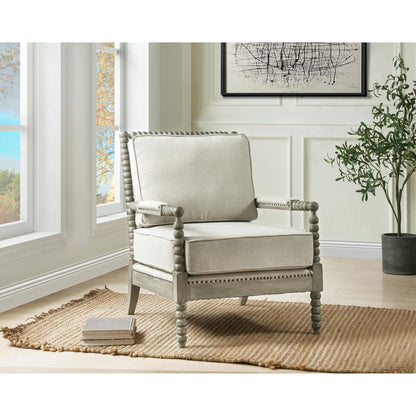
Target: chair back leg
point(133, 296)
point(133, 292)
point(243, 300)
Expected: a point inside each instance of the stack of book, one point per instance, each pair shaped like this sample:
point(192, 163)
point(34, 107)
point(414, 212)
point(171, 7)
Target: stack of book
point(109, 331)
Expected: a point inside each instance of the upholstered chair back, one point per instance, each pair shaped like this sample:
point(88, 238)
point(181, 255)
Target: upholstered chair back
point(208, 175)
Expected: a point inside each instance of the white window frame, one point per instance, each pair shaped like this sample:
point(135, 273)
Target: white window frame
point(25, 225)
point(118, 206)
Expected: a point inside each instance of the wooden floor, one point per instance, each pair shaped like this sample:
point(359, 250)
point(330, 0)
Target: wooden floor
point(346, 281)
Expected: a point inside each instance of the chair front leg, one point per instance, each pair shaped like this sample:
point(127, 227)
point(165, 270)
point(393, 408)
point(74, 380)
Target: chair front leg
point(316, 312)
point(181, 323)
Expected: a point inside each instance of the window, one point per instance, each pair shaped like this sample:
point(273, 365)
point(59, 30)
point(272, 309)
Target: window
point(15, 147)
point(108, 185)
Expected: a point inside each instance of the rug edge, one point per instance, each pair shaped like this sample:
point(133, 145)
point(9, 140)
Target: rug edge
point(12, 334)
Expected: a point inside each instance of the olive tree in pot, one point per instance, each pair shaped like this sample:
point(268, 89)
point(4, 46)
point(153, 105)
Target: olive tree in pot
point(385, 157)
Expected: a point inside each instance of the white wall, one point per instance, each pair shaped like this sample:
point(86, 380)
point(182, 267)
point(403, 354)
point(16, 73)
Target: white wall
point(159, 95)
point(175, 86)
point(290, 137)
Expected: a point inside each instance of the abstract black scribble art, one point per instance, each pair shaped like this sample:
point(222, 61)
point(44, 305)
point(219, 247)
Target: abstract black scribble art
point(295, 67)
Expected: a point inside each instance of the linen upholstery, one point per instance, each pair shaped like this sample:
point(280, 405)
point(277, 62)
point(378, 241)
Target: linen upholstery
point(218, 187)
point(221, 247)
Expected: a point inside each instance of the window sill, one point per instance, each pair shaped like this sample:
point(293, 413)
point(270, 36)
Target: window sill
point(111, 223)
point(29, 244)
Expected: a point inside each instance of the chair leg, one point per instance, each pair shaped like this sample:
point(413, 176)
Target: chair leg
point(181, 323)
point(243, 300)
point(133, 296)
point(316, 311)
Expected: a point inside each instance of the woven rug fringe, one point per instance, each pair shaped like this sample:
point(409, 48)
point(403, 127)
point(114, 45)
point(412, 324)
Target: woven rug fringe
point(12, 334)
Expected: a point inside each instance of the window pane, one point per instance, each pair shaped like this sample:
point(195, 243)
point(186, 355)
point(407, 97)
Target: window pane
point(105, 167)
point(9, 176)
point(9, 83)
point(105, 94)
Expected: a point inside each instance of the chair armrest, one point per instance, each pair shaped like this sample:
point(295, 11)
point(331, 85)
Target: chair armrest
point(287, 204)
point(275, 203)
point(297, 205)
point(156, 208)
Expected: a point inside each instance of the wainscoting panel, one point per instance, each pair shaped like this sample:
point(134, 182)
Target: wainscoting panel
point(342, 214)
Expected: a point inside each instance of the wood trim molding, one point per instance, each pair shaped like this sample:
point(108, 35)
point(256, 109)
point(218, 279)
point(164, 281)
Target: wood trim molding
point(350, 249)
point(46, 284)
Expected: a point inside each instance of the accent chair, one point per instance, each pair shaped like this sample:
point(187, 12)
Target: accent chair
point(191, 209)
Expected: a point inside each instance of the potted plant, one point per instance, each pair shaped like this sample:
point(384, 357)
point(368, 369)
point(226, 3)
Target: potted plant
point(385, 157)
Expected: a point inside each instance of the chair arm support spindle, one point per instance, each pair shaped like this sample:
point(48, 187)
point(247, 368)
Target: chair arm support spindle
point(314, 228)
point(179, 245)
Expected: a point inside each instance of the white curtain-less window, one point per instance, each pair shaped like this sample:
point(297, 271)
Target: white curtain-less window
point(16, 215)
point(107, 127)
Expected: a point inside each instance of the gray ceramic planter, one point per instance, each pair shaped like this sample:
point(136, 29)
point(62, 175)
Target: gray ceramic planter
point(399, 253)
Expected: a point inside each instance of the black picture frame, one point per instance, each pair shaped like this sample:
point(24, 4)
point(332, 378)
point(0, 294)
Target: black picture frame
point(361, 83)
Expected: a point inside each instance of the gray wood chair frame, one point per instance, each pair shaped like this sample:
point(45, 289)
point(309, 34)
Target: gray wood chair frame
point(182, 289)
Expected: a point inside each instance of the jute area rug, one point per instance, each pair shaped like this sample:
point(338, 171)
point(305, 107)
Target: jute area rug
point(264, 333)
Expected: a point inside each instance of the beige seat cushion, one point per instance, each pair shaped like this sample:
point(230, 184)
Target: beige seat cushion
point(226, 247)
point(209, 176)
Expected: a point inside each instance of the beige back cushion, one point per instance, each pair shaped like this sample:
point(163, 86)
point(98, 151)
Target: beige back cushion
point(208, 175)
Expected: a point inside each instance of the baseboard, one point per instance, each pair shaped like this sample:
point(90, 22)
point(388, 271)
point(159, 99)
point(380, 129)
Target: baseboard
point(46, 284)
point(350, 249)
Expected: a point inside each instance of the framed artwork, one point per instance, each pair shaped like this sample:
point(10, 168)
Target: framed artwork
point(293, 68)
